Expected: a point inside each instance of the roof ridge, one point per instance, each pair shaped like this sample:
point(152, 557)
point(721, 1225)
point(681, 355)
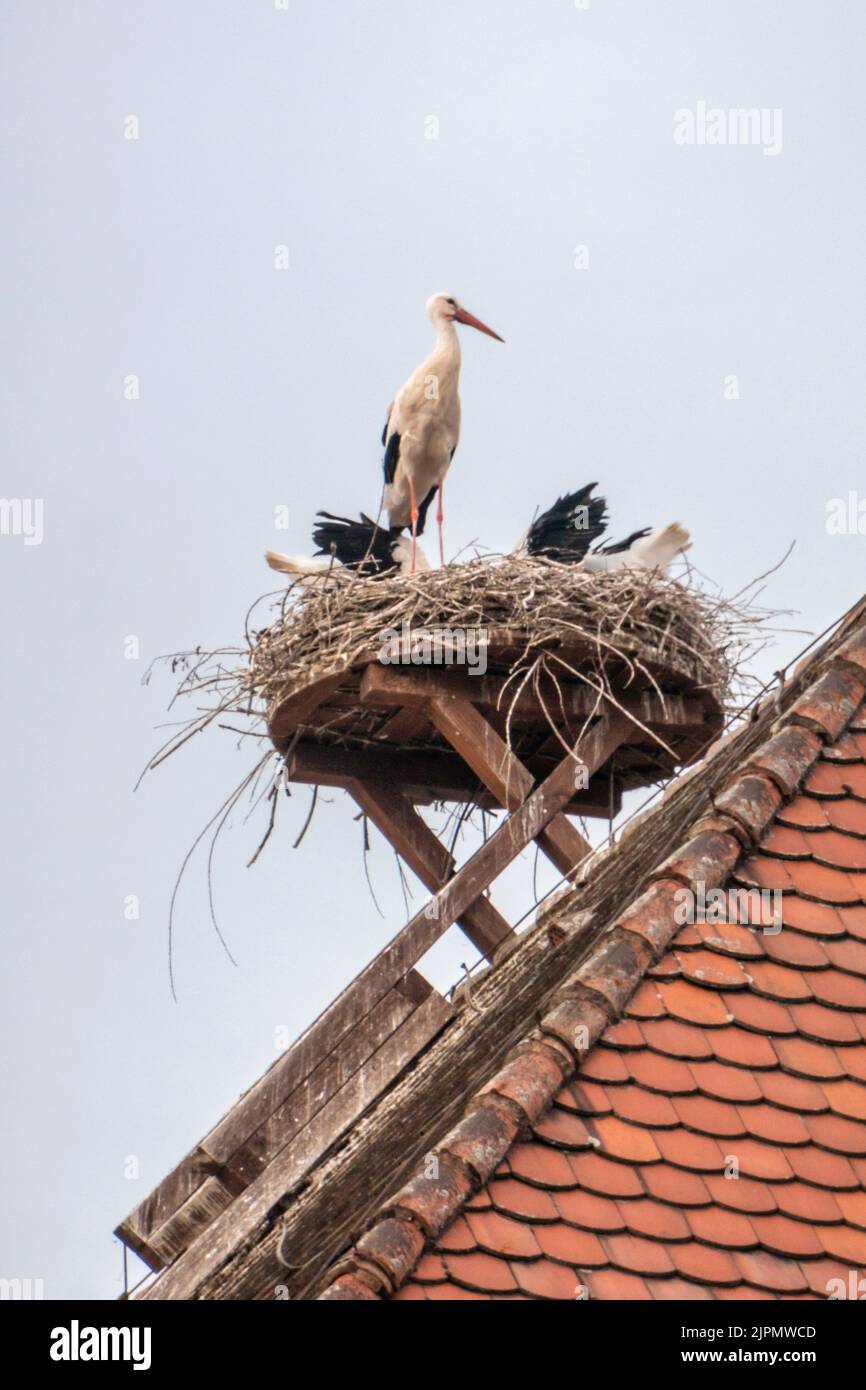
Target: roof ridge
point(596, 991)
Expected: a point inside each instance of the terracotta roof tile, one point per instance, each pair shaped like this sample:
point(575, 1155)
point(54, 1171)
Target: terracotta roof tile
point(664, 1075)
point(804, 1058)
point(430, 1269)
point(654, 1220)
point(741, 1194)
point(765, 1271)
point(806, 1203)
point(731, 939)
point(786, 842)
point(852, 1206)
point(640, 1107)
point(546, 1279)
point(779, 982)
point(604, 1177)
point(824, 1025)
point(711, 968)
point(731, 1230)
point(774, 1126)
point(838, 1134)
point(819, 1273)
point(697, 1152)
point(844, 1243)
point(504, 1236)
point(457, 1237)
point(705, 1264)
point(840, 991)
point(581, 1208)
point(742, 1049)
point(760, 1015)
point(483, 1273)
point(572, 1246)
point(675, 1039)
point(823, 1169)
point(708, 1116)
point(712, 1143)
point(631, 1143)
point(543, 1166)
point(846, 814)
point(763, 1161)
point(616, 1285)
point(584, 1097)
point(792, 1092)
point(813, 918)
point(805, 812)
point(846, 1098)
point(410, 1293)
point(454, 1292)
point(563, 1129)
point(516, 1198)
point(786, 1238)
point(791, 947)
point(848, 955)
point(691, 1004)
point(646, 1002)
point(678, 1290)
point(835, 850)
point(603, 1064)
point(637, 1255)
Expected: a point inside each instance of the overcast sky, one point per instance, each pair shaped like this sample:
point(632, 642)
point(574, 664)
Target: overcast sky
point(684, 323)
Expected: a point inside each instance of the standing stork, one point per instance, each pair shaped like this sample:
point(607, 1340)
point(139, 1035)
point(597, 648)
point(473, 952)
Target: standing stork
point(423, 424)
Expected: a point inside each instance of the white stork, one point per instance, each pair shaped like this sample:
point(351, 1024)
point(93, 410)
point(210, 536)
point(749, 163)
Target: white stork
point(566, 531)
point(352, 545)
point(423, 424)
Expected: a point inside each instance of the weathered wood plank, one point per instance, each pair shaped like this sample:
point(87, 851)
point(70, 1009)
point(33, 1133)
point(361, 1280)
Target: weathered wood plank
point(299, 706)
point(248, 1155)
point(289, 1166)
point(176, 1188)
point(414, 686)
point(422, 777)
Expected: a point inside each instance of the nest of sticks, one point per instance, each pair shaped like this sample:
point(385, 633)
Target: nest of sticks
point(634, 631)
point(637, 624)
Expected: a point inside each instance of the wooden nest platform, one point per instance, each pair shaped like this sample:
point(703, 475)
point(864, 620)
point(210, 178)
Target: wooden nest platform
point(355, 674)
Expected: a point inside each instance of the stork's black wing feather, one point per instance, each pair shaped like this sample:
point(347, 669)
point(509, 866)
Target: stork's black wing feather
point(392, 454)
point(356, 544)
point(567, 529)
point(616, 547)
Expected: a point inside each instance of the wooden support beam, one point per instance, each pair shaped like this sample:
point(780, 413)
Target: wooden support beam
point(423, 776)
point(505, 775)
point(427, 857)
point(413, 686)
point(298, 707)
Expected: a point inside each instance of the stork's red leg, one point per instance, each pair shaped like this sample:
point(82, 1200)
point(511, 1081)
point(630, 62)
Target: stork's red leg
point(439, 524)
point(414, 513)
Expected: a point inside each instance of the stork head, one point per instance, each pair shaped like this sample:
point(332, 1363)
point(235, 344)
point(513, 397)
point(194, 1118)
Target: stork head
point(442, 307)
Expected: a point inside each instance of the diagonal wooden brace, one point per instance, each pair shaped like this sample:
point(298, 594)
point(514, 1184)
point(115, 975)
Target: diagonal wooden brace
point(480, 746)
point(427, 857)
point(515, 833)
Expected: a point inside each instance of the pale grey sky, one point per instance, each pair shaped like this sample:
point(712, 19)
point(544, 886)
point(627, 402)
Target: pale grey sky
point(308, 126)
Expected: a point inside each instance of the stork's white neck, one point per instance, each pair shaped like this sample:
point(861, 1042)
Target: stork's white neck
point(447, 347)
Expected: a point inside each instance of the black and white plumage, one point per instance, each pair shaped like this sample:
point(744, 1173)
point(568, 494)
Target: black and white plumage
point(567, 530)
point(423, 426)
point(343, 544)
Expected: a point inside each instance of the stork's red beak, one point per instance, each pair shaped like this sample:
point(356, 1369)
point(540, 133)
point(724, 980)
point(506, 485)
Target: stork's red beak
point(463, 317)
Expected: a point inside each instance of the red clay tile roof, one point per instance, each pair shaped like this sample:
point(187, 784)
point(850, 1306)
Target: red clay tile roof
point(688, 1121)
